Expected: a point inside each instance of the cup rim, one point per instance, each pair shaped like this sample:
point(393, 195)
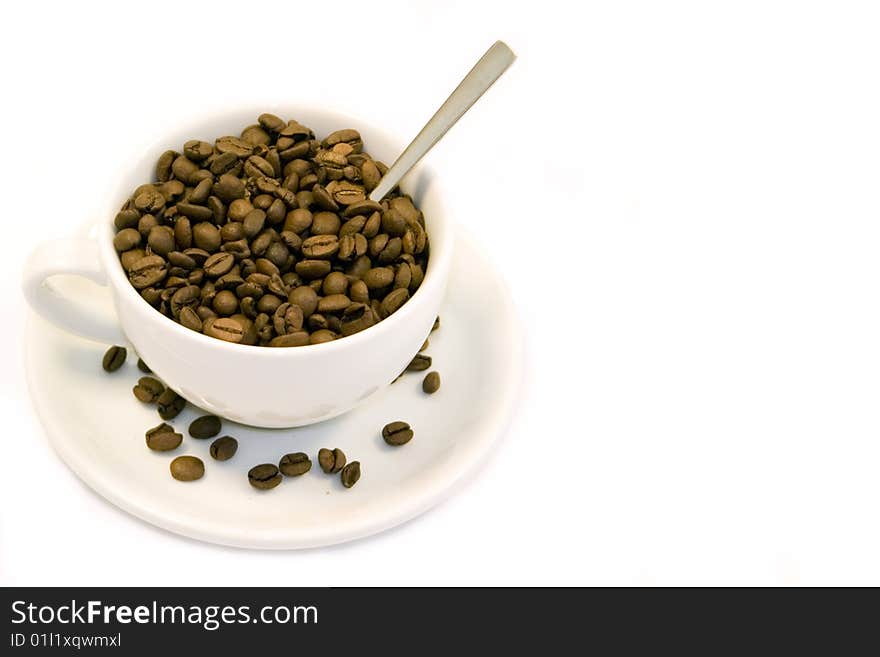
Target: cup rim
point(439, 258)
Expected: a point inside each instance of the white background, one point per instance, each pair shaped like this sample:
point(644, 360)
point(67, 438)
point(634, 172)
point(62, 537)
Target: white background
point(683, 197)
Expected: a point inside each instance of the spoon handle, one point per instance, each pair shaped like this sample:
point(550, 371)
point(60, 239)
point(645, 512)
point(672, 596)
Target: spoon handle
point(481, 77)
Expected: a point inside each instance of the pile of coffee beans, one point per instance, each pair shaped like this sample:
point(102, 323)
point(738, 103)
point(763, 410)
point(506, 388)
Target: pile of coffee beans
point(265, 476)
point(269, 238)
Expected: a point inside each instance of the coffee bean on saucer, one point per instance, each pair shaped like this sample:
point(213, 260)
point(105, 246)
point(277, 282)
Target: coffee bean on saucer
point(397, 433)
point(143, 367)
point(419, 363)
point(224, 448)
point(114, 358)
point(294, 465)
point(350, 474)
point(436, 324)
point(264, 476)
point(170, 404)
point(431, 383)
point(163, 438)
point(148, 389)
point(424, 346)
point(187, 468)
point(331, 461)
point(206, 426)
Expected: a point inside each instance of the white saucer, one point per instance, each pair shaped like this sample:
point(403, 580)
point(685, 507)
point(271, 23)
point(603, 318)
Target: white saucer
point(97, 427)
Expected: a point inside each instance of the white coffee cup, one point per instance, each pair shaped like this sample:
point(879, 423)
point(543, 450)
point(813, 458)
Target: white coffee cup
point(260, 386)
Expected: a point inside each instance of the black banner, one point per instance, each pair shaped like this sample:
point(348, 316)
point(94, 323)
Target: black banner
point(415, 621)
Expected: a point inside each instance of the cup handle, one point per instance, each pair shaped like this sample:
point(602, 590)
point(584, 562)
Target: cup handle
point(71, 256)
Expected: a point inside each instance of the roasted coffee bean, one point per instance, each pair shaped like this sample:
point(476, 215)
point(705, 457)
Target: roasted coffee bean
point(295, 339)
point(346, 193)
point(348, 135)
point(148, 389)
point(256, 166)
point(218, 264)
point(190, 319)
point(397, 433)
point(202, 191)
point(239, 209)
point(183, 168)
point(321, 195)
point(287, 318)
point(431, 383)
point(185, 297)
point(195, 212)
point(163, 438)
point(229, 188)
point(126, 219)
point(378, 244)
point(163, 166)
point(268, 303)
point(264, 476)
point(276, 212)
point(114, 358)
point(235, 145)
point(254, 134)
point(253, 222)
point(294, 465)
point(223, 448)
point(313, 269)
point(169, 404)
point(143, 367)
point(224, 328)
point(372, 225)
point(197, 150)
point(225, 303)
point(331, 461)
point(306, 298)
point(271, 122)
point(149, 201)
point(298, 220)
point(130, 257)
point(232, 232)
point(187, 468)
point(317, 322)
point(238, 249)
point(392, 250)
point(403, 277)
point(379, 277)
point(424, 346)
point(356, 318)
point(322, 335)
point(206, 236)
point(206, 426)
point(335, 283)
point(333, 303)
point(146, 223)
point(183, 233)
point(370, 175)
point(358, 292)
point(394, 300)
point(362, 208)
point(419, 363)
point(278, 254)
point(326, 223)
point(126, 239)
point(350, 474)
point(161, 240)
point(320, 246)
